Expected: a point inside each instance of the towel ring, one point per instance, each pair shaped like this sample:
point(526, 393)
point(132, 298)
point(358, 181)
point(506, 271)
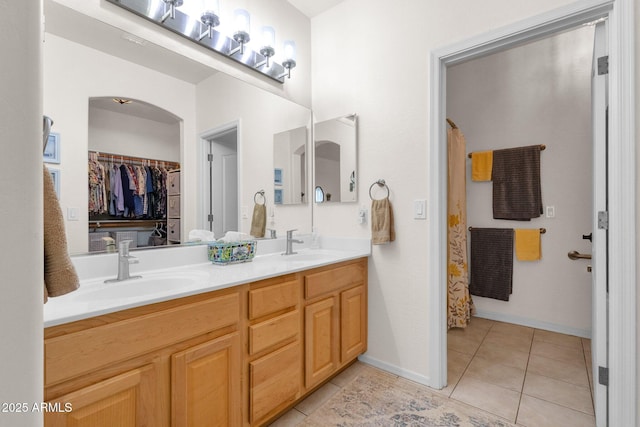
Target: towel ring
point(255, 196)
point(380, 183)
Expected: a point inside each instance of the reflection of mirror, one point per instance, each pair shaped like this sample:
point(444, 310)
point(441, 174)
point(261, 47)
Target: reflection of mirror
point(335, 159)
point(80, 65)
point(290, 166)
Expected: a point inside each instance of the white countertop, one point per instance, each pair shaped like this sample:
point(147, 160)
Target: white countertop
point(171, 273)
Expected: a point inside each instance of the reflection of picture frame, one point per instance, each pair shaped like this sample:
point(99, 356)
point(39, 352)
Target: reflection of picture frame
point(277, 176)
point(55, 175)
point(52, 150)
point(277, 197)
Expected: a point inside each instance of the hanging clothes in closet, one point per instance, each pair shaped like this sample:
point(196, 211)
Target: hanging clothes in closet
point(127, 188)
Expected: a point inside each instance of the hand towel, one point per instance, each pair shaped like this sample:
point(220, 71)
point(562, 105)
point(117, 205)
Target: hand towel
point(528, 244)
point(481, 165)
point(60, 276)
point(382, 227)
point(491, 262)
point(517, 193)
point(258, 220)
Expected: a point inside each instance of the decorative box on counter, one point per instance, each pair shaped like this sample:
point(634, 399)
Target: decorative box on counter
point(232, 252)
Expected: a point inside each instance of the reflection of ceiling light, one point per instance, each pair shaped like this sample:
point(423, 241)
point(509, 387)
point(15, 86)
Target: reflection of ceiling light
point(122, 101)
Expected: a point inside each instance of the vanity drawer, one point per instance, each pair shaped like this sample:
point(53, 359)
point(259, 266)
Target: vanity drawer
point(173, 230)
point(273, 331)
point(173, 207)
point(173, 183)
point(68, 356)
point(328, 281)
point(273, 298)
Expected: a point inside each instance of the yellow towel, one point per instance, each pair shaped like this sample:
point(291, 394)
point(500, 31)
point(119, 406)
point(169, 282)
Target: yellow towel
point(258, 220)
point(382, 228)
point(528, 244)
point(481, 165)
point(60, 276)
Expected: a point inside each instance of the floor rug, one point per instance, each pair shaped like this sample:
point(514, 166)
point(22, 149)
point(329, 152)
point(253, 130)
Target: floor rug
point(375, 398)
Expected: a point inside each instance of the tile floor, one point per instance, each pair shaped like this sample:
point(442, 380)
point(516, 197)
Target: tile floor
point(530, 377)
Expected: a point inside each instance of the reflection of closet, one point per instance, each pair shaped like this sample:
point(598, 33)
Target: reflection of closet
point(128, 199)
point(173, 206)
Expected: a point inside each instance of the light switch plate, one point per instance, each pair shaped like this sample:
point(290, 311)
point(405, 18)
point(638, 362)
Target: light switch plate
point(551, 211)
point(72, 214)
point(420, 209)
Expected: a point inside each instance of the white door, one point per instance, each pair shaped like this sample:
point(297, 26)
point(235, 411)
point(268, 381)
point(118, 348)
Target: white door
point(600, 295)
point(223, 183)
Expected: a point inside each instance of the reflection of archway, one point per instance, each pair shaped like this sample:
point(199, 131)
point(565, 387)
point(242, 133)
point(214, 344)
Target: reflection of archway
point(134, 128)
point(327, 154)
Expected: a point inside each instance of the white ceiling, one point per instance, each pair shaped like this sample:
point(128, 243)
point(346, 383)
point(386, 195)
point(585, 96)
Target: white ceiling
point(312, 8)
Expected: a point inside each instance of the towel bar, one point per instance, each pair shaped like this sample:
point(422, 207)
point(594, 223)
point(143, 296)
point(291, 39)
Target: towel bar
point(542, 230)
point(380, 183)
point(542, 148)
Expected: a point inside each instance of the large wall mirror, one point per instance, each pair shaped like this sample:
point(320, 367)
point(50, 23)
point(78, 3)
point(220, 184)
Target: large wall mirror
point(335, 145)
point(177, 102)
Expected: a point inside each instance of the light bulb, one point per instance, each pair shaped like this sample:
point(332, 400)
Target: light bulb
point(242, 20)
point(268, 36)
point(289, 50)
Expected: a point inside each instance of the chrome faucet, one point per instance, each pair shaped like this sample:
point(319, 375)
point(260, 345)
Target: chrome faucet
point(290, 242)
point(272, 233)
point(124, 259)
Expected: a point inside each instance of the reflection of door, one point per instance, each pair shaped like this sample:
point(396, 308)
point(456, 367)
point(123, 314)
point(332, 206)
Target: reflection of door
point(599, 107)
point(223, 183)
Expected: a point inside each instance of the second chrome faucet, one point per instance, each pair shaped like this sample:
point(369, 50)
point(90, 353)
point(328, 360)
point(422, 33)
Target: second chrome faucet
point(290, 242)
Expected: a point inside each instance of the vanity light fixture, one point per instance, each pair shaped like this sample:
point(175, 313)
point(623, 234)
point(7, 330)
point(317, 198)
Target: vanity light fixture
point(290, 58)
point(243, 24)
point(171, 13)
point(196, 20)
point(268, 36)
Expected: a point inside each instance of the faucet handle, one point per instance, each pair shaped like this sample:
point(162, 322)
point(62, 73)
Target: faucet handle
point(290, 232)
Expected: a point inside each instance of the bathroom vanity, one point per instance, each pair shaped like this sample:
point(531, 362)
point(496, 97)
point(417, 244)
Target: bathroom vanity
point(234, 355)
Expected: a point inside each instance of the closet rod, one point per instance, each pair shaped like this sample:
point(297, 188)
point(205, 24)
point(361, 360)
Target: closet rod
point(108, 157)
point(542, 230)
point(542, 148)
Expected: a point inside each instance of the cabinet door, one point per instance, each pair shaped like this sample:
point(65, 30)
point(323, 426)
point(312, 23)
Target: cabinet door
point(353, 323)
point(127, 400)
point(205, 389)
point(321, 340)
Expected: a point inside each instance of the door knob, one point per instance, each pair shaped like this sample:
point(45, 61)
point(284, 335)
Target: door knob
point(577, 255)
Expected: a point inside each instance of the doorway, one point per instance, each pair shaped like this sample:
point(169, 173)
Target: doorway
point(220, 172)
point(621, 410)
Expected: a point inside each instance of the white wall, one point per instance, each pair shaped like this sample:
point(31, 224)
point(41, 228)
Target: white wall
point(21, 263)
point(73, 74)
point(121, 133)
point(539, 93)
point(381, 72)
point(221, 100)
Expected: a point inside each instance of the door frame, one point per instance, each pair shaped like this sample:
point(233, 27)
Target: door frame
point(621, 178)
point(203, 170)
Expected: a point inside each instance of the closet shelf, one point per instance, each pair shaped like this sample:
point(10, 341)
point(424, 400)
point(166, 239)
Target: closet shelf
point(115, 223)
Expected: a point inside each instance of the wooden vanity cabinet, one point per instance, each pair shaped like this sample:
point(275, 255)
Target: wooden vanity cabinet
point(235, 357)
point(168, 364)
point(335, 319)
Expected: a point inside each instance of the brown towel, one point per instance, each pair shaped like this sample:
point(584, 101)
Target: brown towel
point(258, 220)
point(382, 228)
point(517, 193)
point(491, 262)
point(60, 276)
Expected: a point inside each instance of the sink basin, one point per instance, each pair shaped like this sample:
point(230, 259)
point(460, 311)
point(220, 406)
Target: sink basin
point(310, 256)
point(150, 284)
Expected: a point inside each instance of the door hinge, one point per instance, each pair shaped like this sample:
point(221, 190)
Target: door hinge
point(210, 157)
point(603, 220)
point(210, 218)
point(603, 65)
point(603, 376)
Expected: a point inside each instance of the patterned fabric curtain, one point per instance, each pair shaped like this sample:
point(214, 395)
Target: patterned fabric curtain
point(459, 303)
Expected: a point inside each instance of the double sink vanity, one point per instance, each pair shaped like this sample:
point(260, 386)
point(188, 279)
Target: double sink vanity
point(191, 343)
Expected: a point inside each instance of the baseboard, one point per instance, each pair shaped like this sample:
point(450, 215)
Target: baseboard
point(533, 323)
point(410, 375)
